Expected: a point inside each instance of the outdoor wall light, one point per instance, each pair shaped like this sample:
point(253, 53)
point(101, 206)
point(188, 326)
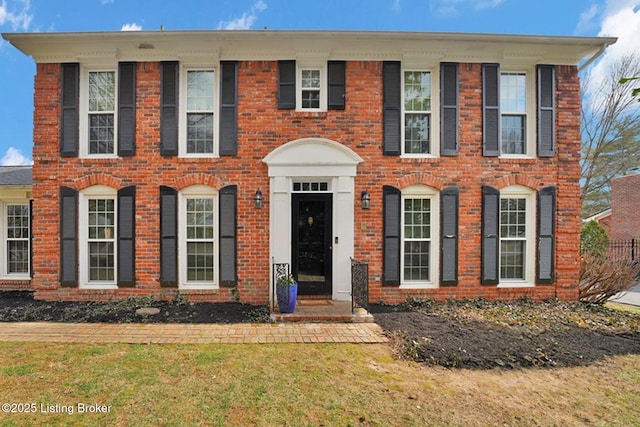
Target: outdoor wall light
point(258, 199)
point(366, 200)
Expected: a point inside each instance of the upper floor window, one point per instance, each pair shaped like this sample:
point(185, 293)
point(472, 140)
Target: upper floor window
point(198, 124)
point(513, 112)
point(417, 112)
point(311, 86)
point(98, 118)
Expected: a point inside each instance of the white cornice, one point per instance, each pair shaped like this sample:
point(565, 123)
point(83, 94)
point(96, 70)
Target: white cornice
point(273, 45)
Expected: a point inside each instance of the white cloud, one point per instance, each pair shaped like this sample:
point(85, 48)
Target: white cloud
point(621, 19)
point(14, 157)
point(450, 8)
point(587, 20)
point(106, 1)
point(247, 19)
point(131, 27)
point(396, 6)
point(16, 13)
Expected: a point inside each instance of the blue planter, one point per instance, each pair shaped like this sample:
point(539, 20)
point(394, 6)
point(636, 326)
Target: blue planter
point(287, 295)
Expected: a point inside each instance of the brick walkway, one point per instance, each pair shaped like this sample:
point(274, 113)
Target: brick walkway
point(241, 333)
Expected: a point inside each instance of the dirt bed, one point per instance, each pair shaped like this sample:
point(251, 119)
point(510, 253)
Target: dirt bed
point(484, 335)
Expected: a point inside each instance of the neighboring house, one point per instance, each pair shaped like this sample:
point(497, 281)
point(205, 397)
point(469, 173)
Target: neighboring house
point(625, 208)
point(191, 161)
point(622, 220)
point(15, 227)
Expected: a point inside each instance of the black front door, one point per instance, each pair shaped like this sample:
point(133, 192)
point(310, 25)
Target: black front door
point(312, 235)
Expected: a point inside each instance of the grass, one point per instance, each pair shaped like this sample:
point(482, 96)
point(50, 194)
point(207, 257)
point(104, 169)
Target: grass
point(302, 385)
point(623, 307)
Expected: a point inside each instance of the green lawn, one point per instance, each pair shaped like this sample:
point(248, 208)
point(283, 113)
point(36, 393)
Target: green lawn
point(300, 385)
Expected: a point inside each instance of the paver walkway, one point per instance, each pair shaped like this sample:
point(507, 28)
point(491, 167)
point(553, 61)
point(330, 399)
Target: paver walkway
point(238, 333)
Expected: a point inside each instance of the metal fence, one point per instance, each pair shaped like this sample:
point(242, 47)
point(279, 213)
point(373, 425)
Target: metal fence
point(624, 250)
point(359, 284)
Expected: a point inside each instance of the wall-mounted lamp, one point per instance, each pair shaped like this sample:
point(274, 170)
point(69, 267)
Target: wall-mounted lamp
point(258, 200)
point(366, 200)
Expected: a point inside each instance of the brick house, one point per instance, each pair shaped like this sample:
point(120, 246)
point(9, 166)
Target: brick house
point(191, 161)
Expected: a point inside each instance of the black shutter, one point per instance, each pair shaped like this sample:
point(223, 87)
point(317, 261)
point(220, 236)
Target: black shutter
point(391, 245)
point(69, 127)
point(336, 83)
point(286, 84)
point(31, 238)
point(228, 108)
point(490, 235)
point(449, 109)
point(546, 110)
point(228, 200)
point(126, 236)
point(68, 237)
point(168, 237)
point(126, 108)
point(169, 109)
point(546, 235)
point(391, 108)
point(490, 109)
point(449, 236)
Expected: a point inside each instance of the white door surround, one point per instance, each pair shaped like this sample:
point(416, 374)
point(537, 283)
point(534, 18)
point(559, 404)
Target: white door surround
point(314, 159)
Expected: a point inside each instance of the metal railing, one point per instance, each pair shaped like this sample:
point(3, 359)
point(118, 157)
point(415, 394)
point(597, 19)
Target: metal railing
point(280, 270)
point(624, 250)
point(359, 285)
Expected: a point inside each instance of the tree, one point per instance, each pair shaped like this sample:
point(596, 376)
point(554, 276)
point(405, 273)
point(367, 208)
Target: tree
point(610, 133)
point(594, 240)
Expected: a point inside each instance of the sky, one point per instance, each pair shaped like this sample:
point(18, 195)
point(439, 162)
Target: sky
point(617, 18)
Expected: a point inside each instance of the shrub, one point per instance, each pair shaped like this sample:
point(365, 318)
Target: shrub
point(593, 240)
point(601, 278)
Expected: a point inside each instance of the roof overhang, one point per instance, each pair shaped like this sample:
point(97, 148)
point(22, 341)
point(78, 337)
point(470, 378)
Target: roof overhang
point(330, 45)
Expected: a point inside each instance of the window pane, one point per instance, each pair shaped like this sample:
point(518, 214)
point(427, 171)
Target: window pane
point(101, 131)
point(102, 90)
point(18, 256)
point(200, 90)
point(17, 222)
point(512, 259)
point(101, 261)
point(513, 131)
point(416, 133)
point(416, 260)
point(101, 219)
point(513, 93)
point(311, 79)
point(200, 261)
point(200, 133)
point(310, 99)
point(417, 91)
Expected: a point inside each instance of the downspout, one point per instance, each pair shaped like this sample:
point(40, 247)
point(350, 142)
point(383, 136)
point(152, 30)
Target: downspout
point(594, 57)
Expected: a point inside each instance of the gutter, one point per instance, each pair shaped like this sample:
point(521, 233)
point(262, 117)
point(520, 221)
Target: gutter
point(595, 56)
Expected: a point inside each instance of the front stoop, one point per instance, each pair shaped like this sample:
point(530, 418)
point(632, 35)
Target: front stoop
point(324, 311)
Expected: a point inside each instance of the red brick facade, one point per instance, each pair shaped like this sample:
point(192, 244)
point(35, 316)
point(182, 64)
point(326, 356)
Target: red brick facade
point(357, 131)
point(261, 128)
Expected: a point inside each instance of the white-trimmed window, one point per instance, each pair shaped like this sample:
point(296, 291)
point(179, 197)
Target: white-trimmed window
point(15, 240)
point(198, 231)
point(419, 248)
point(417, 107)
point(98, 246)
point(197, 106)
point(517, 236)
point(311, 86)
point(517, 97)
point(98, 118)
